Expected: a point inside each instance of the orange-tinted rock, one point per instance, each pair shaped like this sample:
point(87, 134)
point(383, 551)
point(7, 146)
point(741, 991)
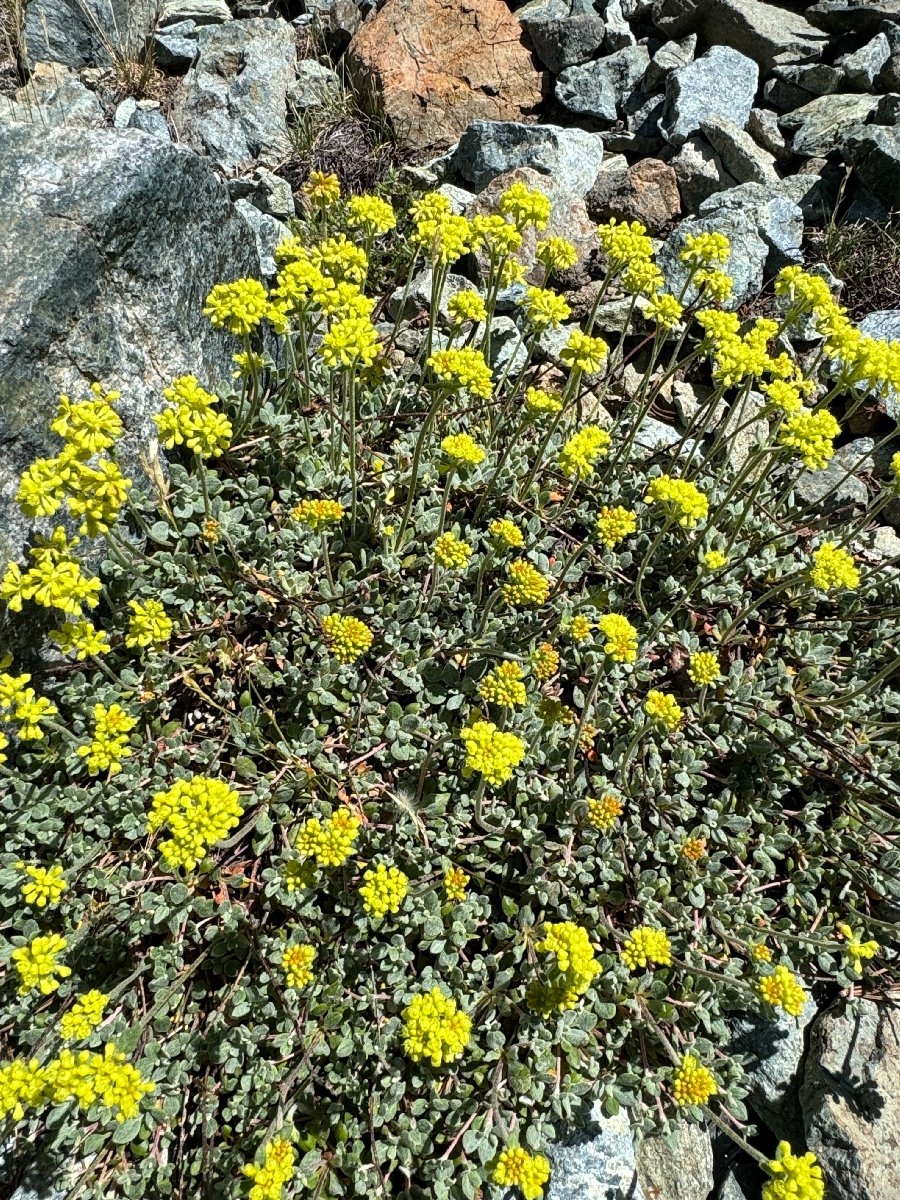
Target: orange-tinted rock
point(435, 65)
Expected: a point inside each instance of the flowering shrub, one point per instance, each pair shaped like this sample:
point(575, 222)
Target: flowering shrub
point(420, 751)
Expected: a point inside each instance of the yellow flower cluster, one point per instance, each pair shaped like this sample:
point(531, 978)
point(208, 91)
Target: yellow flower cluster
point(663, 707)
point(451, 552)
point(645, 946)
point(435, 1028)
point(498, 237)
point(574, 968)
point(526, 206)
point(580, 629)
point(556, 254)
point(109, 743)
point(331, 843)
point(538, 402)
point(604, 811)
point(507, 532)
point(383, 890)
point(88, 1078)
point(492, 752)
point(714, 560)
point(341, 260)
point(504, 686)
point(793, 1176)
point(276, 1170)
point(621, 637)
point(192, 419)
point(526, 586)
point(682, 499)
point(456, 882)
point(702, 249)
point(318, 514)
point(856, 950)
point(371, 214)
point(466, 305)
point(24, 707)
point(580, 453)
point(544, 309)
point(703, 668)
point(238, 307)
point(84, 1016)
point(45, 885)
point(584, 353)
point(55, 581)
point(462, 448)
point(350, 341)
point(811, 435)
point(89, 426)
point(693, 1083)
point(348, 637)
point(624, 243)
point(296, 962)
point(322, 189)
point(664, 310)
point(833, 567)
point(149, 625)
point(463, 369)
point(782, 989)
point(516, 1167)
point(37, 964)
point(81, 639)
point(694, 849)
point(614, 524)
point(198, 812)
point(544, 661)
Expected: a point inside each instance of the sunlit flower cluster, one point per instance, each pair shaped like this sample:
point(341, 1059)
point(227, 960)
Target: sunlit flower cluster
point(38, 964)
point(833, 567)
point(463, 368)
point(85, 1015)
point(782, 989)
point(682, 500)
point(646, 946)
point(572, 971)
point(621, 637)
point(693, 1083)
point(191, 419)
point(330, 842)
point(526, 586)
point(276, 1170)
point(793, 1176)
point(603, 811)
point(503, 686)
point(348, 637)
point(109, 739)
point(492, 752)
point(196, 813)
point(383, 890)
point(517, 1167)
point(44, 885)
point(296, 962)
point(435, 1028)
point(579, 455)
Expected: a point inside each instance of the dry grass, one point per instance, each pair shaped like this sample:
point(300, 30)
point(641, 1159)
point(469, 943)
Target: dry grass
point(12, 15)
point(866, 256)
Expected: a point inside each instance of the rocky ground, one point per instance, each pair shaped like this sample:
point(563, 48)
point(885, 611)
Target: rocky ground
point(150, 148)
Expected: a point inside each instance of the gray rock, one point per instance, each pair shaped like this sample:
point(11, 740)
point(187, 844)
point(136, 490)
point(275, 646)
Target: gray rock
point(874, 152)
point(692, 403)
point(814, 79)
point(678, 1166)
point(459, 198)
point(763, 128)
point(314, 86)
point(54, 95)
point(852, 16)
point(863, 66)
point(822, 125)
point(597, 1163)
point(721, 82)
point(418, 297)
point(641, 134)
point(885, 542)
point(231, 105)
point(655, 435)
point(767, 33)
point(646, 192)
point(618, 31)
point(777, 218)
point(741, 157)
point(597, 88)
point(744, 429)
point(850, 1097)
point(700, 173)
point(563, 33)
point(201, 12)
point(507, 347)
point(588, 91)
point(148, 118)
point(175, 47)
point(85, 33)
point(112, 241)
point(835, 486)
point(273, 195)
point(671, 56)
point(774, 1049)
point(489, 148)
point(267, 232)
point(748, 252)
point(337, 21)
point(887, 111)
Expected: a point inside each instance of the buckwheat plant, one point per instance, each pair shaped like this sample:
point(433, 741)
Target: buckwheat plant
point(429, 751)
